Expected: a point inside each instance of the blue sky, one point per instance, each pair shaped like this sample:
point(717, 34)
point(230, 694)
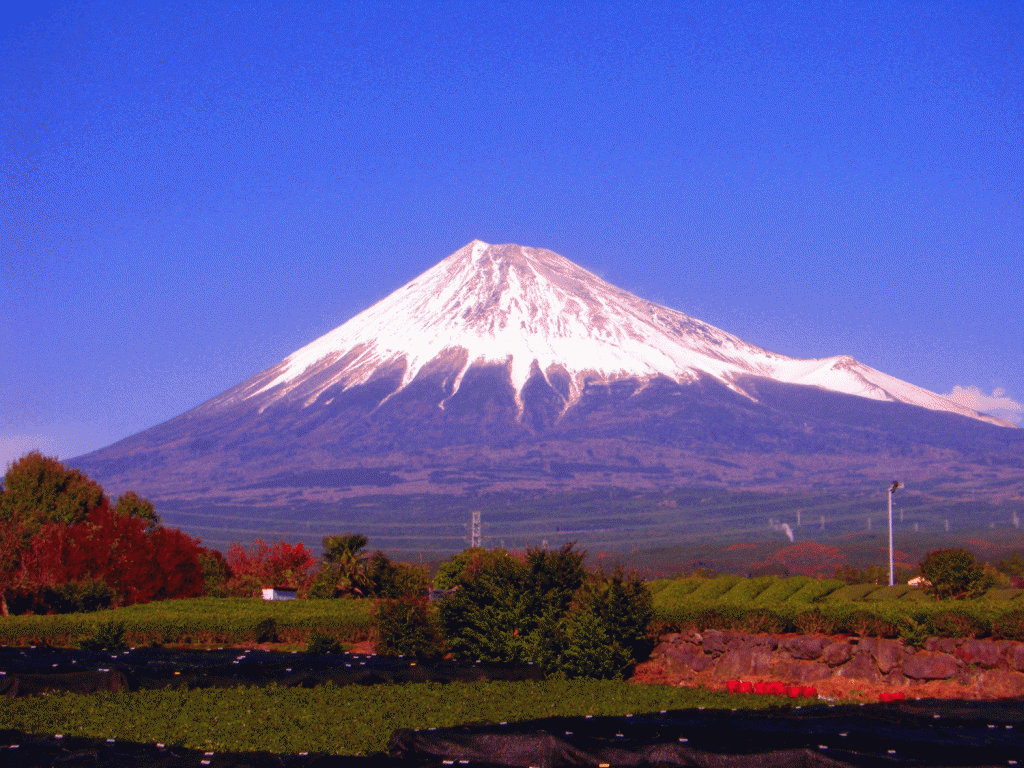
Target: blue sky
point(191, 191)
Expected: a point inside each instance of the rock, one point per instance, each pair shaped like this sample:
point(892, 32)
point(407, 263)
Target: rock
point(714, 642)
point(803, 648)
point(896, 677)
point(837, 653)
point(888, 654)
point(738, 641)
point(861, 667)
point(744, 661)
point(686, 656)
point(941, 644)
point(1001, 683)
point(659, 650)
point(700, 662)
point(1015, 656)
point(981, 653)
point(799, 671)
point(930, 665)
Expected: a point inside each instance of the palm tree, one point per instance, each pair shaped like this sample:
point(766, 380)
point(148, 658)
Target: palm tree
point(345, 560)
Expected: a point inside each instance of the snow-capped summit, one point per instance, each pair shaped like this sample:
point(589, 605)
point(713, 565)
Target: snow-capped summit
point(531, 310)
point(510, 373)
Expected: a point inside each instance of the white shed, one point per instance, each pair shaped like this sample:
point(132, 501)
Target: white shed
point(278, 593)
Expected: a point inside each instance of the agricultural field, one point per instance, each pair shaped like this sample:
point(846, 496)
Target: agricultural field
point(199, 621)
point(767, 603)
point(798, 590)
point(807, 605)
point(348, 720)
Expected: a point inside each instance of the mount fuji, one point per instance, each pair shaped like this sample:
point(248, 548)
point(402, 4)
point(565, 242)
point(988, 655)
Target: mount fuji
point(507, 369)
point(539, 316)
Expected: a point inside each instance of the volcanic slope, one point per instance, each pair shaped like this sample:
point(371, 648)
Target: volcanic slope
point(505, 367)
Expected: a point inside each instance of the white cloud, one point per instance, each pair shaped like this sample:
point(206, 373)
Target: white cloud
point(996, 404)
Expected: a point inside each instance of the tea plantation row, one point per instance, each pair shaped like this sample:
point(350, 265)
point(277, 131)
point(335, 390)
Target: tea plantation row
point(339, 720)
point(766, 604)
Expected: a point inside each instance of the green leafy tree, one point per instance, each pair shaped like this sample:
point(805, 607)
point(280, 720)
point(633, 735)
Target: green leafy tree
point(1013, 568)
point(216, 573)
point(407, 626)
point(393, 580)
point(588, 649)
point(488, 617)
point(544, 608)
point(626, 607)
point(39, 489)
point(464, 567)
point(13, 538)
point(954, 574)
point(130, 504)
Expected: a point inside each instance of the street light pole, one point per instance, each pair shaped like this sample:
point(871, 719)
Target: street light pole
point(892, 489)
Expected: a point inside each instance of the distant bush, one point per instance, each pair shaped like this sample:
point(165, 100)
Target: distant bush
point(109, 636)
point(319, 644)
point(393, 580)
point(954, 574)
point(265, 631)
point(713, 589)
point(83, 596)
point(216, 573)
point(546, 609)
point(1013, 568)
point(407, 626)
point(814, 622)
point(748, 590)
point(208, 620)
point(1009, 625)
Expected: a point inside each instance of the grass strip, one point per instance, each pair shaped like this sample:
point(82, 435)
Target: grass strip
point(348, 720)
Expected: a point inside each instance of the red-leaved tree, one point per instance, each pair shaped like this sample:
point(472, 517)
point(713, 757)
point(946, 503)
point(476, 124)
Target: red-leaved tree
point(263, 565)
point(58, 530)
point(139, 565)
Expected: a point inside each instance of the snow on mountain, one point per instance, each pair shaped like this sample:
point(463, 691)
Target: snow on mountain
point(526, 307)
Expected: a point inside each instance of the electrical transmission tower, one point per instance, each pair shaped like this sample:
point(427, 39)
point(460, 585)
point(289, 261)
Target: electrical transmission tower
point(475, 533)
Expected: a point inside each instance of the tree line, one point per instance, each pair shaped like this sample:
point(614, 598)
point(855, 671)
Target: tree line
point(65, 546)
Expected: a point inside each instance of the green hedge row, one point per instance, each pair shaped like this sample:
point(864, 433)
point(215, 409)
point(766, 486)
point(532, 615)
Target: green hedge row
point(771, 590)
point(203, 620)
point(912, 621)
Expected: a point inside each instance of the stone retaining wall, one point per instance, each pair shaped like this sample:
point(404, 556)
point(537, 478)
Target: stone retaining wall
point(810, 659)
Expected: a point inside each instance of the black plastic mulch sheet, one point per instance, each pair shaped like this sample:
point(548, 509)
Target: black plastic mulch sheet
point(930, 733)
point(926, 733)
point(31, 671)
point(18, 750)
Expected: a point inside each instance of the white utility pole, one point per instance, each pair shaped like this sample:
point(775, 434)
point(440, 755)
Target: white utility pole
point(892, 489)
